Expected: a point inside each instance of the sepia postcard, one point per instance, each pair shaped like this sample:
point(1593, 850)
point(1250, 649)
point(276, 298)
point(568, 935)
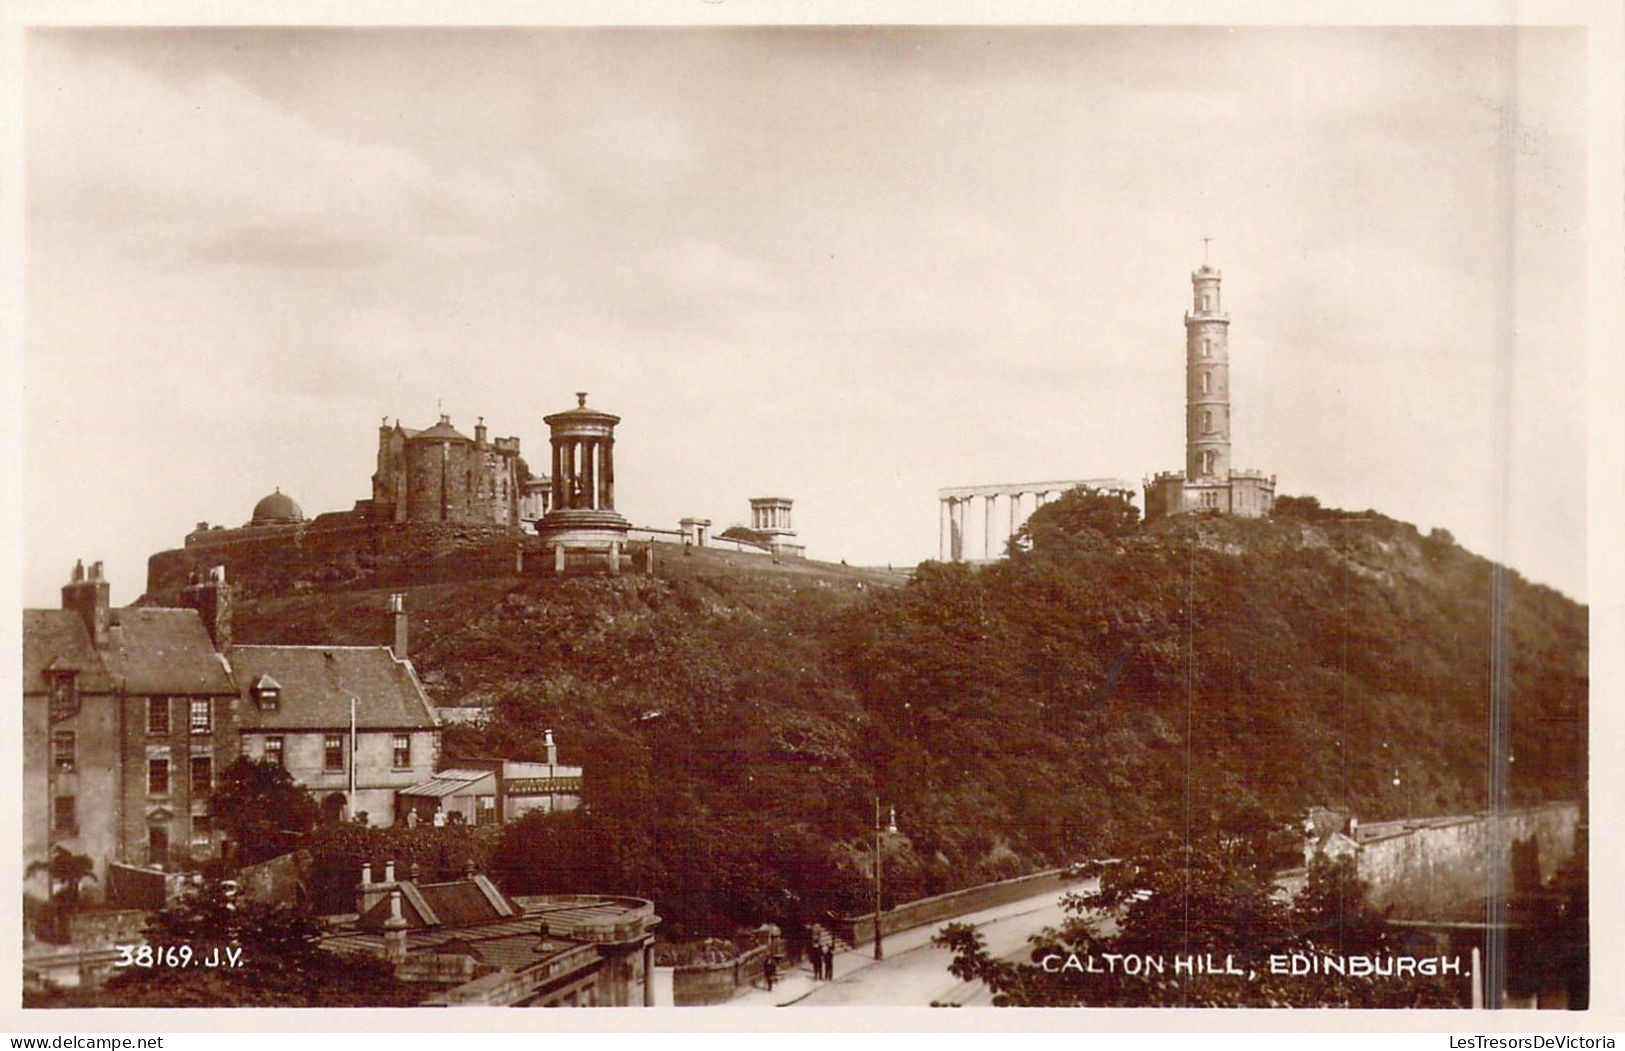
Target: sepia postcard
point(892, 514)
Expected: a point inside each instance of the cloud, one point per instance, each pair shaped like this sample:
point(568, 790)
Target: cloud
point(210, 171)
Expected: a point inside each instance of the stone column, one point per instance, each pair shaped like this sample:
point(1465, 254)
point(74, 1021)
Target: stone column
point(589, 472)
point(987, 527)
point(649, 973)
point(942, 529)
point(608, 502)
point(1015, 501)
point(557, 487)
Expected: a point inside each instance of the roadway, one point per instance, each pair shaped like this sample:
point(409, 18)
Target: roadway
point(914, 972)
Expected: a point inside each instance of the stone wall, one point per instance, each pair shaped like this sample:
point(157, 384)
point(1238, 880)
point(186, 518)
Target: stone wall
point(698, 984)
point(1435, 868)
point(349, 553)
point(860, 930)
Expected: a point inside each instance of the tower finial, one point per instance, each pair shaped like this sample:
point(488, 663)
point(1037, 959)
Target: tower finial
point(1205, 240)
point(581, 399)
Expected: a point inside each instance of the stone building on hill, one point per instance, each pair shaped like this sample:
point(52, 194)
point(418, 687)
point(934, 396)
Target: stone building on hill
point(1208, 482)
point(442, 475)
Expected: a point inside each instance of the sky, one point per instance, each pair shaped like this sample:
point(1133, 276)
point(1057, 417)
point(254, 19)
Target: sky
point(848, 266)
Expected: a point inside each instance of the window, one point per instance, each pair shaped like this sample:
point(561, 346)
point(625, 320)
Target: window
point(333, 752)
point(62, 751)
point(1206, 348)
point(1207, 421)
point(1207, 383)
point(202, 829)
point(201, 721)
point(64, 815)
point(487, 813)
point(158, 715)
point(158, 777)
point(202, 775)
point(157, 845)
point(403, 751)
point(64, 695)
point(273, 750)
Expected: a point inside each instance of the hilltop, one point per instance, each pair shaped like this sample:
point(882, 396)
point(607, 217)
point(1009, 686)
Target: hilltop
point(737, 717)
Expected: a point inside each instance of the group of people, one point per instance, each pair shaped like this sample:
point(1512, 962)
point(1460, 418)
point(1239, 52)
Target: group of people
point(822, 957)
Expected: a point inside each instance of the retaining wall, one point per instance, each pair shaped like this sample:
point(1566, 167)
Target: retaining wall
point(285, 559)
point(860, 930)
point(1430, 869)
point(698, 984)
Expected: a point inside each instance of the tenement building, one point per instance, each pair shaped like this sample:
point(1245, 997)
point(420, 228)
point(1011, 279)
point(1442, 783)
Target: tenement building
point(128, 717)
point(1208, 482)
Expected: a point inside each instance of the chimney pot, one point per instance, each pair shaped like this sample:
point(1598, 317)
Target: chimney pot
point(389, 871)
point(79, 571)
point(366, 874)
point(397, 607)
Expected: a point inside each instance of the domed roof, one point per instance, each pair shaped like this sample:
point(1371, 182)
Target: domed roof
point(276, 509)
point(442, 431)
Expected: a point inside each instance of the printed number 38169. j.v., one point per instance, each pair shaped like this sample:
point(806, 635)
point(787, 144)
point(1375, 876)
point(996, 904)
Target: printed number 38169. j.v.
point(178, 956)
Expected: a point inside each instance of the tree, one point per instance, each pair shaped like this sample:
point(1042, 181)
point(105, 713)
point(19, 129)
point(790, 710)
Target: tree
point(1212, 901)
point(1081, 514)
point(262, 808)
point(67, 873)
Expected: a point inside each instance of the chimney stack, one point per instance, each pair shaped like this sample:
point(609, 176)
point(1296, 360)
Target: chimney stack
point(211, 597)
point(479, 432)
point(368, 893)
point(90, 599)
point(397, 608)
point(395, 930)
point(552, 749)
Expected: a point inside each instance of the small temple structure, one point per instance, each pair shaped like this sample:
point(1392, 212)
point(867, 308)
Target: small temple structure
point(582, 517)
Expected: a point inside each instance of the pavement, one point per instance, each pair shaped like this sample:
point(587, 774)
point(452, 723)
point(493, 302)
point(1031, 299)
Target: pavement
point(914, 973)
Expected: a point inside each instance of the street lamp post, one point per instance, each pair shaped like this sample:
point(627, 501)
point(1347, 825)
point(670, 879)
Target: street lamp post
point(891, 827)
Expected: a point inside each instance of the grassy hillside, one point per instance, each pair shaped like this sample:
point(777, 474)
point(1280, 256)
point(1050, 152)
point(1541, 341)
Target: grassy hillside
point(737, 717)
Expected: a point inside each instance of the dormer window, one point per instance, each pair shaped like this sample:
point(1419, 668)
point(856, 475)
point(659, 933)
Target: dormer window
point(64, 694)
point(267, 693)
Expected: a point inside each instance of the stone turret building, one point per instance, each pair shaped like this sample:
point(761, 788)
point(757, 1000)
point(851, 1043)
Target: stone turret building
point(442, 475)
point(1208, 482)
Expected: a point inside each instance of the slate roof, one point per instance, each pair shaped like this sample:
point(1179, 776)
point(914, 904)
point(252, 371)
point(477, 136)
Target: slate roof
point(459, 903)
point(57, 637)
point(318, 681)
point(148, 651)
point(164, 651)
